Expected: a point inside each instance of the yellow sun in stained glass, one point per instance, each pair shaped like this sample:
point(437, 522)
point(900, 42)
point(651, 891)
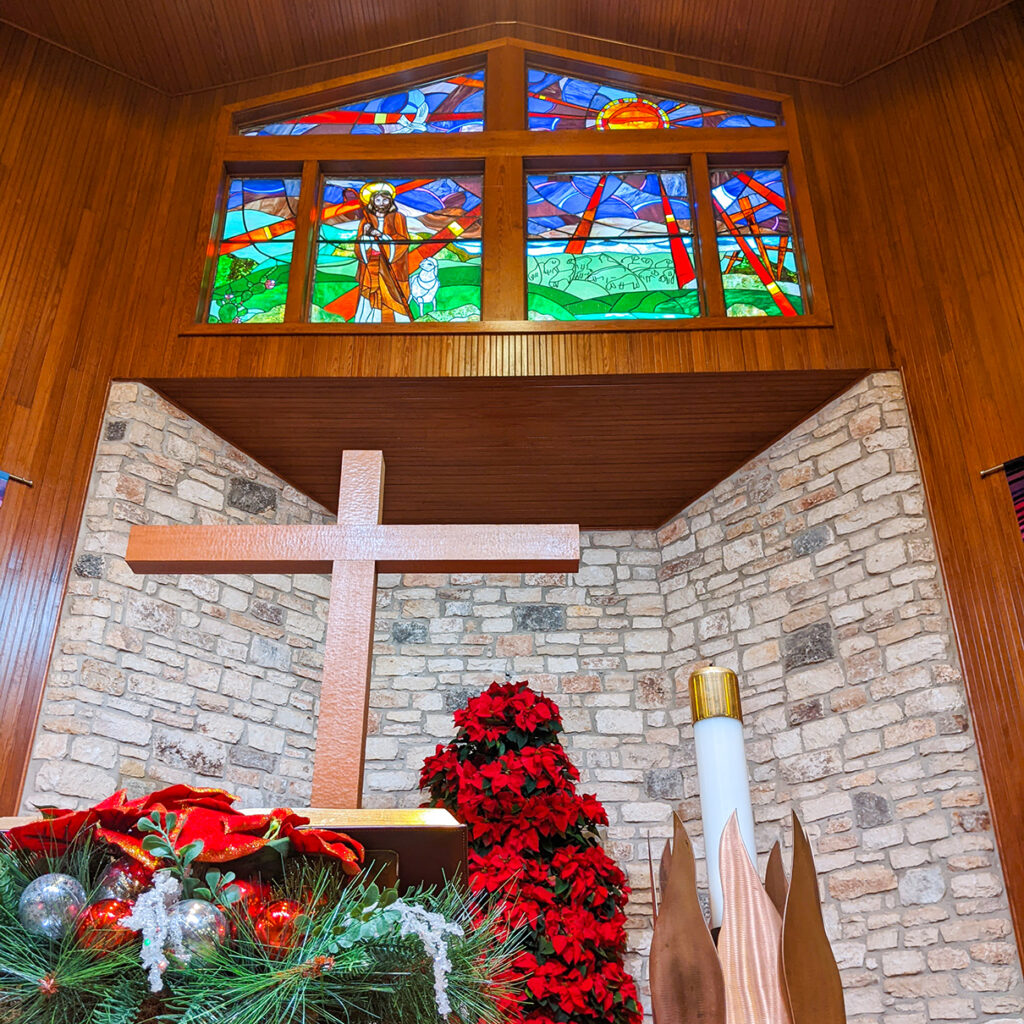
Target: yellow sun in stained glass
point(632, 112)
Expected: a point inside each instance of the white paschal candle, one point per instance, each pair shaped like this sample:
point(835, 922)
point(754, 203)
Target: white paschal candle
point(721, 769)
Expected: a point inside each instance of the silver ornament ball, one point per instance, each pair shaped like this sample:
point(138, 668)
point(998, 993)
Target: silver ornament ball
point(203, 927)
point(50, 904)
point(123, 880)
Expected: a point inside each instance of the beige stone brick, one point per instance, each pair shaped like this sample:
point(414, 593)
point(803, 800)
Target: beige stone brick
point(852, 883)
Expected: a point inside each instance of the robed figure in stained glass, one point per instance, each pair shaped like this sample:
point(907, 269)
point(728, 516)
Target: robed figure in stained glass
point(383, 253)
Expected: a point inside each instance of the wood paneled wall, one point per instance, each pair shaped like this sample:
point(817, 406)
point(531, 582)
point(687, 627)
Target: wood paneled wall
point(939, 138)
point(916, 196)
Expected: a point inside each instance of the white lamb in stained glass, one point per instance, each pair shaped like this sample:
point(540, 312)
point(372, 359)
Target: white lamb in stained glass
point(424, 283)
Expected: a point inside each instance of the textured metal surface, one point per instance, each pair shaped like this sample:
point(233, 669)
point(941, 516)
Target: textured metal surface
point(810, 974)
point(544, 548)
point(749, 942)
point(775, 882)
point(686, 979)
point(353, 551)
point(715, 693)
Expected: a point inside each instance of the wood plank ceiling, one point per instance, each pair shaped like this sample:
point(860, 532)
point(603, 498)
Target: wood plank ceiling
point(180, 46)
point(609, 452)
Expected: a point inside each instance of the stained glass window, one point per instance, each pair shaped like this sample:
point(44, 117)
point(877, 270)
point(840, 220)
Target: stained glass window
point(254, 253)
point(454, 104)
point(557, 102)
point(610, 246)
point(397, 250)
point(755, 243)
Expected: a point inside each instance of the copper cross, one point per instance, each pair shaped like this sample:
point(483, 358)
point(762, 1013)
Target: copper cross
point(353, 551)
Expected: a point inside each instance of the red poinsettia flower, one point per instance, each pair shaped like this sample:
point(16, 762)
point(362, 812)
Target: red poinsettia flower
point(53, 833)
point(321, 842)
point(534, 847)
point(199, 814)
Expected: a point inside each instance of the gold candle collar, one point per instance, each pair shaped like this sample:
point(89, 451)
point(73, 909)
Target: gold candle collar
point(715, 693)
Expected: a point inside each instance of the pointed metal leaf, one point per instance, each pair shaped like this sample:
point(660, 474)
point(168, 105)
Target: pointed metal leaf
point(775, 882)
point(686, 980)
point(809, 970)
point(748, 944)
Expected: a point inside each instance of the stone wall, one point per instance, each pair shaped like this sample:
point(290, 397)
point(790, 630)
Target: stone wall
point(811, 571)
point(162, 679)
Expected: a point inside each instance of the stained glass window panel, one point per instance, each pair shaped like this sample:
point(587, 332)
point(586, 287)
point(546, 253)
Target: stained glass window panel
point(756, 248)
point(454, 104)
point(398, 250)
point(610, 246)
point(254, 252)
point(557, 102)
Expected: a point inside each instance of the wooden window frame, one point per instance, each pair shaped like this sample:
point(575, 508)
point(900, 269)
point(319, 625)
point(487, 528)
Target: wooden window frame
point(504, 153)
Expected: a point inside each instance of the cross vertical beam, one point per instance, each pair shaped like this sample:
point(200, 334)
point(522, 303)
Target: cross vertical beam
point(348, 650)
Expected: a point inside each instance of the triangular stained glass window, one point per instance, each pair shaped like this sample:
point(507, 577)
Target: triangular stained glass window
point(557, 102)
point(453, 104)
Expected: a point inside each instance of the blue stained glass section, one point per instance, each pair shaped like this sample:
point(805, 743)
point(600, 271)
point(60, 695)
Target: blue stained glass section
point(254, 252)
point(610, 246)
point(627, 203)
point(453, 104)
point(754, 200)
point(557, 102)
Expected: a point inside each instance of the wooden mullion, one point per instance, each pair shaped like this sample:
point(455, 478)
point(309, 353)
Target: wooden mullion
point(706, 237)
point(504, 259)
point(808, 253)
point(505, 89)
point(306, 219)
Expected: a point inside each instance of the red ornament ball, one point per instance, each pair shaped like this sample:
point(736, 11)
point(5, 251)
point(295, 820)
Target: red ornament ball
point(276, 927)
point(254, 896)
point(125, 879)
point(98, 926)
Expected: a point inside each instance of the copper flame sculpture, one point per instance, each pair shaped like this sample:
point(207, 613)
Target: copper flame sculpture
point(773, 963)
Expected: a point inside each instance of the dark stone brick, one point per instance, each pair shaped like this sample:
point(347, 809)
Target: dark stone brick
point(808, 541)
point(457, 697)
point(805, 711)
point(268, 612)
point(196, 754)
point(951, 723)
point(870, 809)
point(972, 821)
point(246, 757)
point(680, 565)
point(90, 566)
point(250, 496)
point(761, 488)
point(664, 784)
point(409, 631)
point(653, 689)
point(538, 617)
point(116, 430)
point(808, 646)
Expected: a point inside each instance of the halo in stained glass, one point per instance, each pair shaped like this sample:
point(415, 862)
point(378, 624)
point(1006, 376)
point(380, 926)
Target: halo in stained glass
point(453, 104)
point(398, 250)
point(557, 102)
point(613, 245)
point(254, 252)
point(756, 249)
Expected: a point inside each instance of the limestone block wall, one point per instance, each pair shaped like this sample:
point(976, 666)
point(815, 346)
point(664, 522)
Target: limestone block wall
point(211, 680)
point(811, 571)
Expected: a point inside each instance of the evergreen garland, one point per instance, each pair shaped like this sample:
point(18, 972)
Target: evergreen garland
point(356, 954)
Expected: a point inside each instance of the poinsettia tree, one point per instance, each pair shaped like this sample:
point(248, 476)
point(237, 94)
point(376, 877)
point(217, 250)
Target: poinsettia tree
point(534, 844)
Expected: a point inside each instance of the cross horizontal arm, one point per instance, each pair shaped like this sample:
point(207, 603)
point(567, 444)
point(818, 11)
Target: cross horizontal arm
point(314, 549)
